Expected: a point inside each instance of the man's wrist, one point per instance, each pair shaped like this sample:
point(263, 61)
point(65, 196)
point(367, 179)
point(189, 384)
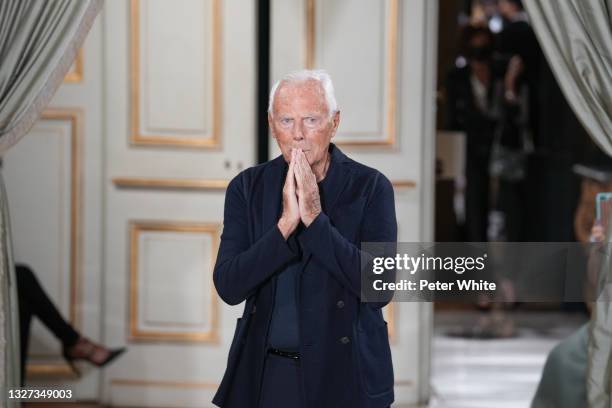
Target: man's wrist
point(310, 218)
point(285, 227)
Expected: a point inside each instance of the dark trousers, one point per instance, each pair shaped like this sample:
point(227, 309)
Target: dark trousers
point(33, 301)
point(476, 197)
point(512, 201)
point(282, 383)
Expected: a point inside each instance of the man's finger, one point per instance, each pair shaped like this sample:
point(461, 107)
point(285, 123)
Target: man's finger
point(307, 170)
point(299, 171)
point(290, 180)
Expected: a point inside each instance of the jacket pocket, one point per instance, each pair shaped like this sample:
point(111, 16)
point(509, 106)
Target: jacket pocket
point(373, 356)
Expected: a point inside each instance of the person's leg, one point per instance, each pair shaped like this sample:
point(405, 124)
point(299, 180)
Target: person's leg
point(34, 301)
point(25, 319)
point(37, 303)
point(281, 383)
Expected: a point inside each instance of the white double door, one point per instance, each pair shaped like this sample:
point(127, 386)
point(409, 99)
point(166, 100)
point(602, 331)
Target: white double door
point(122, 213)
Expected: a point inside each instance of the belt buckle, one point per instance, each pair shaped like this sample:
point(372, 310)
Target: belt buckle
point(283, 353)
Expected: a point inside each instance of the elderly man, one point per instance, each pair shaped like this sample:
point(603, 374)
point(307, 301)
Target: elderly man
point(291, 248)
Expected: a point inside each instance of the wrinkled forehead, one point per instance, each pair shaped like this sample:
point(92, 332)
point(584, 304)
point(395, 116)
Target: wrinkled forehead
point(307, 96)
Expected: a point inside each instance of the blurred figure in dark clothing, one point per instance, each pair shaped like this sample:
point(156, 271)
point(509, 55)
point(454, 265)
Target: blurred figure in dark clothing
point(520, 55)
point(517, 36)
point(472, 95)
point(517, 40)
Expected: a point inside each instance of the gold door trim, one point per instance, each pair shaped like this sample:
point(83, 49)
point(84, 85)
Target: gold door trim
point(76, 75)
point(198, 385)
point(163, 383)
point(170, 183)
point(34, 371)
point(403, 183)
point(391, 80)
point(200, 184)
point(138, 334)
point(75, 117)
point(136, 137)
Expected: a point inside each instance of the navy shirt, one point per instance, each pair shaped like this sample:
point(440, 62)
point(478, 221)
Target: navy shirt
point(284, 328)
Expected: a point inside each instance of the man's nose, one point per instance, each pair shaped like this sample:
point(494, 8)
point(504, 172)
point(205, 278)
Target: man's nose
point(298, 132)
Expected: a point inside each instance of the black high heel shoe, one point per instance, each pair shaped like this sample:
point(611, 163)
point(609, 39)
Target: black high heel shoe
point(84, 349)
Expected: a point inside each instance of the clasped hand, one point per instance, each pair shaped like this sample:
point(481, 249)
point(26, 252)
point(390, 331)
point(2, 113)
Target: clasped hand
point(301, 200)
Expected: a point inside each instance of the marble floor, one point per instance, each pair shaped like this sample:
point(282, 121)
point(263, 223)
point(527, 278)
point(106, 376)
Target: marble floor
point(472, 372)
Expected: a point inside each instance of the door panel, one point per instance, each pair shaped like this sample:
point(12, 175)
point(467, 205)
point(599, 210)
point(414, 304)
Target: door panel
point(377, 54)
point(180, 115)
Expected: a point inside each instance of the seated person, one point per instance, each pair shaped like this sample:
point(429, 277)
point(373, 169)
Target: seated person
point(564, 378)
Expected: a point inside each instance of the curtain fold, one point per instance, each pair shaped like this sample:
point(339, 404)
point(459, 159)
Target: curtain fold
point(576, 37)
point(9, 318)
point(39, 40)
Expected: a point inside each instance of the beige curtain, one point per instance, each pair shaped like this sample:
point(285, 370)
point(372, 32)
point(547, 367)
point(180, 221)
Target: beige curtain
point(39, 40)
point(9, 328)
point(576, 37)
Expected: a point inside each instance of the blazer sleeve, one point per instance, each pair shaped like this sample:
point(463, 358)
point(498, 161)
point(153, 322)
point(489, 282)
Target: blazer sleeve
point(241, 266)
point(344, 259)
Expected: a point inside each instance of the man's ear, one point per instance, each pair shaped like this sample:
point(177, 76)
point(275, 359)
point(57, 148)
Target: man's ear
point(335, 122)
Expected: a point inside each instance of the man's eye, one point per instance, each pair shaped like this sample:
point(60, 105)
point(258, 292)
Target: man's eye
point(285, 121)
point(311, 120)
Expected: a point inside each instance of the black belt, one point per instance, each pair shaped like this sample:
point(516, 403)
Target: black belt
point(283, 353)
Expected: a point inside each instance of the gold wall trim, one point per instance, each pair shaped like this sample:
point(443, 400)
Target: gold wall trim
point(74, 116)
point(34, 370)
point(194, 384)
point(170, 183)
point(200, 184)
point(136, 137)
point(403, 183)
point(310, 26)
point(163, 383)
point(76, 75)
point(391, 79)
point(138, 334)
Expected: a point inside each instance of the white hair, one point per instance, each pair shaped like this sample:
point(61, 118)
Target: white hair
point(305, 75)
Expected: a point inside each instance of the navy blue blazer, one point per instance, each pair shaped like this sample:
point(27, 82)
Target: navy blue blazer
point(344, 344)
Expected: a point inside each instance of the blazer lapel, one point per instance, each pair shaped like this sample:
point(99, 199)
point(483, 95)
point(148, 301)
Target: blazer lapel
point(338, 178)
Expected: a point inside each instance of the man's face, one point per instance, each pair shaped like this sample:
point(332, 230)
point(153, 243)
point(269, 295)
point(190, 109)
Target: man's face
point(300, 119)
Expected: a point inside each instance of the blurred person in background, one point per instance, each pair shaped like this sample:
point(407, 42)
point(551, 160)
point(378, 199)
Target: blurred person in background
point(564, 377)
point(472, 107)
point(519, 52)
